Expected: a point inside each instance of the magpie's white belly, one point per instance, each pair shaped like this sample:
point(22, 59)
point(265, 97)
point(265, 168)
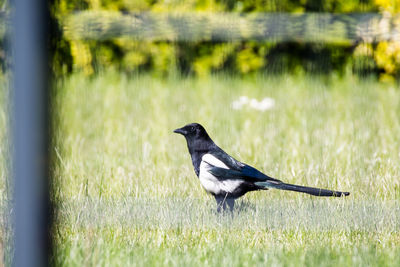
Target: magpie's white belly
point(210, 183)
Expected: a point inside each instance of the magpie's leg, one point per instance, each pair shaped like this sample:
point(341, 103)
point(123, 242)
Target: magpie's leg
point(221, 203)
point(231, 203)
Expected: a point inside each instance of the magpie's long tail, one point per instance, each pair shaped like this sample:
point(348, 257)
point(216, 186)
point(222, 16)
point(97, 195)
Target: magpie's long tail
point(303, 189)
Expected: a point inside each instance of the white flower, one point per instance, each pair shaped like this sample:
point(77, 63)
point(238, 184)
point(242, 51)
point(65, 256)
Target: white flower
point(238, 104)
point(244, 99)
point(266, 103)
point(263, 105)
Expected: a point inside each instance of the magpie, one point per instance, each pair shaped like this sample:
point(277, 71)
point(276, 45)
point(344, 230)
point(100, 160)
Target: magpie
point(227, 178)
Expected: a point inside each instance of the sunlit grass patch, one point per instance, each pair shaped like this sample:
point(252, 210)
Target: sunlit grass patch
point(115, 134)
point(126, 194)
point(186, 231)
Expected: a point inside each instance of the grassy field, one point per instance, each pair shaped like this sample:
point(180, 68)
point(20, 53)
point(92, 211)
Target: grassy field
point(126, 193)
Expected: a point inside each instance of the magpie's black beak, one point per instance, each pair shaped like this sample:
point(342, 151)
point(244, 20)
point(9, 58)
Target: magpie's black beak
point(180, 131)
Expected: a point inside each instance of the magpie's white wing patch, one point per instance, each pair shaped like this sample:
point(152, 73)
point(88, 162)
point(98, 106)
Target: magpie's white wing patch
point(210, 183)
point(211, 160)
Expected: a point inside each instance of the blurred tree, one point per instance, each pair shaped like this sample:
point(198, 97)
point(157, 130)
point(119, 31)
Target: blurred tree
point(387, 54)
point(205, 57)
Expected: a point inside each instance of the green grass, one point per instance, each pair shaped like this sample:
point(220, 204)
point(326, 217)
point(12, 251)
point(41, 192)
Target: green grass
point(126, 193)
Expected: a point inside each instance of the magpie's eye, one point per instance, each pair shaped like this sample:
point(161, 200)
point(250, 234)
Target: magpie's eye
point(192, 128)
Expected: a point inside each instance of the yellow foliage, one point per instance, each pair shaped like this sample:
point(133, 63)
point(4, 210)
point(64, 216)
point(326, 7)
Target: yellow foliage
point(386, 78)
point(387, 57)
point(249, 57)
point(213, 61)
point(163, 57)
point(247, 60)
point(392, 6)
point(133, 59)
point(94, 4)
point(82, 57)
point(387, 54)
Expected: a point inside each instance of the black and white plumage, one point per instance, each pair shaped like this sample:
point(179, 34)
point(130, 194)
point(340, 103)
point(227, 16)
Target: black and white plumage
point(228, 179)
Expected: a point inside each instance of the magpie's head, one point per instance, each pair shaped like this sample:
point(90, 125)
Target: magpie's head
point(193, 131)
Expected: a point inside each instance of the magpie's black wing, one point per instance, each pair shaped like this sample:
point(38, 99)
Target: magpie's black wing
point(226, 159)
point(246, 173)
point(237, 169)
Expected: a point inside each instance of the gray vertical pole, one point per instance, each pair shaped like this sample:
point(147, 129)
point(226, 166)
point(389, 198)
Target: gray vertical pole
point(30, 132)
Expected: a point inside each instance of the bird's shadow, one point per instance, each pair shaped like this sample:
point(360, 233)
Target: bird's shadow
point(244, 206)
point(241, 206)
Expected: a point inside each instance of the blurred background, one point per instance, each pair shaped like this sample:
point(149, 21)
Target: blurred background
point(239, 37)
point(306, 91)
